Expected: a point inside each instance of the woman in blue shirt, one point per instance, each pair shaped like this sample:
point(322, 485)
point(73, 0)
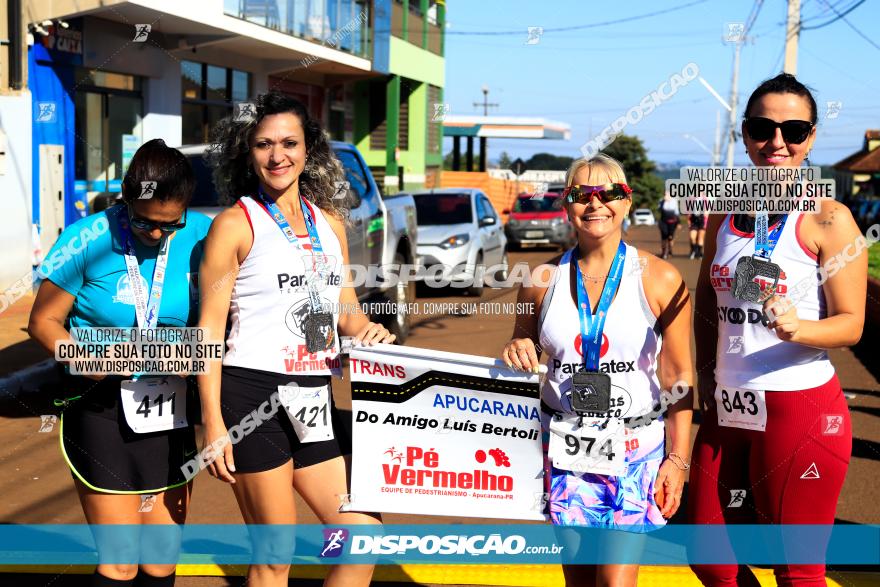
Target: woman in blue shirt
point(120, 456)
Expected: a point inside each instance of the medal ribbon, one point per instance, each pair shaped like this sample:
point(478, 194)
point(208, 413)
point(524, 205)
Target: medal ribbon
point(591, 329)
point(764, 242)
point(146, 310)
point(314, 239)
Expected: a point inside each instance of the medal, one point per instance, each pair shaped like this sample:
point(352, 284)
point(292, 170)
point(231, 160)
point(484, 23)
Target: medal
point(591, 392)
point(748, 268)
point(319, 331)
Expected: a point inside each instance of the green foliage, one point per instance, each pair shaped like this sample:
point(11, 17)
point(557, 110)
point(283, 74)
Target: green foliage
point(504, 160)
point(640, 170)
point(549, 161)
point(874, 261)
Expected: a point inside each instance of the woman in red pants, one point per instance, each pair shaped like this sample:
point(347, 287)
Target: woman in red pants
point(776, 429)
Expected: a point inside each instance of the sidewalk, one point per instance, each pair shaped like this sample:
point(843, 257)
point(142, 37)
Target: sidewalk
point(17, 350)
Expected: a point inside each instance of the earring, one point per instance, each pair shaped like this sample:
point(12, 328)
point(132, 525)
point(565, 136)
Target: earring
point(807, 158)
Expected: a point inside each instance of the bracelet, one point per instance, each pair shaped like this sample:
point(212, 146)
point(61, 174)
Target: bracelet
point(678, 461)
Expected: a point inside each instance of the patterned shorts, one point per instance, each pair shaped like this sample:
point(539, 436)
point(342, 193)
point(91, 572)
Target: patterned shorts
point(600, 501)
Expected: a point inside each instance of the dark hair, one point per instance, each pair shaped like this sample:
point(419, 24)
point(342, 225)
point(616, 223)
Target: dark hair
point(230, 147)
point(156, 162)
point(784, 83)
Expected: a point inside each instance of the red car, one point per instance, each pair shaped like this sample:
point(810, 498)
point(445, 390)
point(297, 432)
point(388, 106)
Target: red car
point(539, 219)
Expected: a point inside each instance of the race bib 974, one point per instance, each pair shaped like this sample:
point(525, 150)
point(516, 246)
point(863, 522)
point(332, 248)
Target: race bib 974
point(154, 404)
point(589, 448)
point(741, 408)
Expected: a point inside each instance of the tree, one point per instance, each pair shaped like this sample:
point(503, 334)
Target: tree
point(640, 170)
point(549, 161)
point(504, 160)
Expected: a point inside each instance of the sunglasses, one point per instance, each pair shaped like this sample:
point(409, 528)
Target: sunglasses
point(150, 226)
point(582, 194)
point(764, 129)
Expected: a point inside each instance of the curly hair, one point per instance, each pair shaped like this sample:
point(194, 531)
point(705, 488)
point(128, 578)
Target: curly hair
point(230, 147)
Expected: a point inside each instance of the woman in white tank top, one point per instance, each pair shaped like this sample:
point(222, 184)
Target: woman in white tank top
point(275, 267)
point(604, 399)
point(775, 426)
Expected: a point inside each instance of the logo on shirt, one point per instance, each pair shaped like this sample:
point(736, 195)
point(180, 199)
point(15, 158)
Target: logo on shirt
point(124, 293)
point(602, 350)
point(721, 277)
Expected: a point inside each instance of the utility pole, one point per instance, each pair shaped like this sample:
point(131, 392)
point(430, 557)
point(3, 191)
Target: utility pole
point(716, 150)
point(485, 103)
point(483, 143)
point(792, 33)
point(731, 123)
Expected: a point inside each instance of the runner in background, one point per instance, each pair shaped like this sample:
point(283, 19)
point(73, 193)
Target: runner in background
point(125, 457)
point(775, 421)
point(697, 226)
point(630, 302)
point(668, 225)
point(275, 268)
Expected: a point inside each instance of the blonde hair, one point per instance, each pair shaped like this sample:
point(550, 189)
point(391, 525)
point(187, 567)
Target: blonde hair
point(600, 163)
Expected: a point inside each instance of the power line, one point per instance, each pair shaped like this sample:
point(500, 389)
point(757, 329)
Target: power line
point(835, 19)
point(585, 26)
point(851, 25)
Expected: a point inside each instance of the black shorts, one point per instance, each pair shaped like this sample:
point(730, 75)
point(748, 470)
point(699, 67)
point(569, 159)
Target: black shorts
point(105, 454)
point(667, 229)
point(274, 441)
point(697, 222)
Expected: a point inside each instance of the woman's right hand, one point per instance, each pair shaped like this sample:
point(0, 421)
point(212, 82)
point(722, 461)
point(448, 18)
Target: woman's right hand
point(520, 353)
point(706, 391)
point(218, 451)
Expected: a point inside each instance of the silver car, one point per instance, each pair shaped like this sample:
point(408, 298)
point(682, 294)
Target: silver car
point(460, 232)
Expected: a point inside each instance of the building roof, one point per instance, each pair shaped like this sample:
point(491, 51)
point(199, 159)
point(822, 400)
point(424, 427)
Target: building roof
point(505, 127)
point(866, 160)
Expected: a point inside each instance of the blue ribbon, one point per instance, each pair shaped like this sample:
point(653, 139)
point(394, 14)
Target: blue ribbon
point(591, 330)
point(764, 242)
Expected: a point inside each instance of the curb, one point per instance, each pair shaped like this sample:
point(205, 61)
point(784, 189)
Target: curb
point(499, 575)
point(29, 379)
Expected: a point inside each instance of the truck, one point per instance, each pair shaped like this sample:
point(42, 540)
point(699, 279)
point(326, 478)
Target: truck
point(382, 232)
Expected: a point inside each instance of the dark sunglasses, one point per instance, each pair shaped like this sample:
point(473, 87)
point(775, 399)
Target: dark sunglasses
point(582, 194)
point(150, 226)
point(764, 129)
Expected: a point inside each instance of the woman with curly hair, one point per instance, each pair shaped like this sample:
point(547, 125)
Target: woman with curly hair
point(273, 266)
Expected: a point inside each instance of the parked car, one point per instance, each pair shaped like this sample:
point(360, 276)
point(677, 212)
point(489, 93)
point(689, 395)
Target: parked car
point(643, 216)
point(382, 229)
point(539, 219)
point(460, 230)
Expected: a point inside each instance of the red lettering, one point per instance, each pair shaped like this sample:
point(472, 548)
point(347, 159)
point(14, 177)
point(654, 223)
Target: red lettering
point(388, 370)
point(413, 453)
point(408, 477)
point(354, 365)
point(465, 480)
point(301, 351)
point(400, 371)
point(391, 472)
point(288, 364)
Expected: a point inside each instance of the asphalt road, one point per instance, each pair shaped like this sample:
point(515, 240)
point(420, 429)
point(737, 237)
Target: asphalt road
point(36, 487)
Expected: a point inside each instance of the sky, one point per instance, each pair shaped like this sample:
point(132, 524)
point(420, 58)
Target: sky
point(589, 76)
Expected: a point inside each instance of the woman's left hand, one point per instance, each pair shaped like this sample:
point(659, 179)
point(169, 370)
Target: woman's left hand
point(373, 333)
point(670, 482)
point(783, 317)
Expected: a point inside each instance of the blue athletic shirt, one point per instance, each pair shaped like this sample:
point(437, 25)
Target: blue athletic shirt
point(87, 262)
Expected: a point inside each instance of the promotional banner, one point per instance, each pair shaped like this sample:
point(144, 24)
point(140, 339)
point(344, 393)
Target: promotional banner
point(445, 433)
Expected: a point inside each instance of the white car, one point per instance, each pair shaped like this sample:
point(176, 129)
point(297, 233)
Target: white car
point(460, 230)
point(643, 216)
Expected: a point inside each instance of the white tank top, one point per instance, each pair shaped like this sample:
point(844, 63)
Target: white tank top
point(750, 355)
point(630, 345)
point(270, 299)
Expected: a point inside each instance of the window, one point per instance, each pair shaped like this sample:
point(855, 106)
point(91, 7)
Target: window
point(438, 209)
point(488, 210)
point(208, 93)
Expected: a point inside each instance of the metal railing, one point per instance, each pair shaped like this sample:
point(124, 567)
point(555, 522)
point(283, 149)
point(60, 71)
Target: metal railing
point(340, 24)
